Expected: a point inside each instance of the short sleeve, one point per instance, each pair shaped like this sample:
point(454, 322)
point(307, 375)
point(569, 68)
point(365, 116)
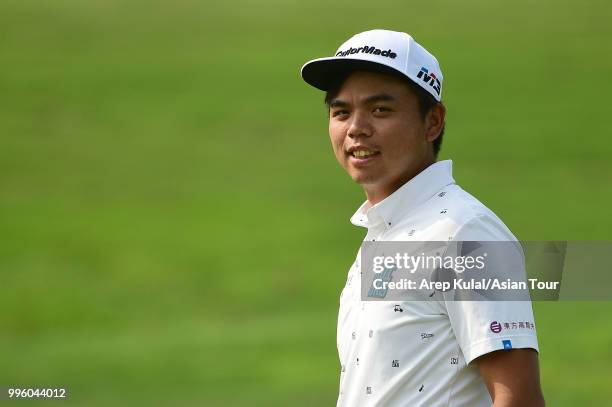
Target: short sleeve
point(486, 326)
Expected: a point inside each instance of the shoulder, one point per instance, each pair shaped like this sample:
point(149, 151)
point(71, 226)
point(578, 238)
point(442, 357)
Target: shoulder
point(453, 214)
point(474, 220)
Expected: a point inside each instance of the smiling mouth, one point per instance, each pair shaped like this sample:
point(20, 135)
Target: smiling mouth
point(363, 154)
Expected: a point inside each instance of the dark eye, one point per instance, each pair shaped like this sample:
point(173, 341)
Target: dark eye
point(380, 109)
point(339, 113)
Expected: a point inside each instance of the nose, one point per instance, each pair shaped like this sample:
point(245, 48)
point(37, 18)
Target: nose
point(360, 126)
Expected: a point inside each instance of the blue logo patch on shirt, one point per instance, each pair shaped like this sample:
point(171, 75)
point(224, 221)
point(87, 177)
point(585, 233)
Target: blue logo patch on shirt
point(385, 276)
point(507, 344)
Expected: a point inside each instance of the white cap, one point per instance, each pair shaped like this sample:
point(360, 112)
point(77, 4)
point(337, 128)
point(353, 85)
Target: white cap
point(380, 51)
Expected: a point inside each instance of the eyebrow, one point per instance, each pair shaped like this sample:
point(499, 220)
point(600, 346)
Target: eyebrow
point(379, 97)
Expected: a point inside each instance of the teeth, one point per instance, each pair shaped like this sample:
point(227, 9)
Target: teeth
point(362, 153)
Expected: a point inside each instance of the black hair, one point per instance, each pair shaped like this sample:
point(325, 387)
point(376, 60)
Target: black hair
point(426, 103)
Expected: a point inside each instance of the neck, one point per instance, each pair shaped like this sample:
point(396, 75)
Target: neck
point(375, 193)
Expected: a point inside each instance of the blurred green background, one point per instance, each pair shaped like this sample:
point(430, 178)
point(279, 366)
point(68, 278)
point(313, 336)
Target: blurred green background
point(174, 228)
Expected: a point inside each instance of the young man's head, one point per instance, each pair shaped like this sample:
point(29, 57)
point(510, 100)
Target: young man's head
point(386, 119)
point(384, 129)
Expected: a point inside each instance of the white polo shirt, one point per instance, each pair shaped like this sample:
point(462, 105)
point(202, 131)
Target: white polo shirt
point(417, 353)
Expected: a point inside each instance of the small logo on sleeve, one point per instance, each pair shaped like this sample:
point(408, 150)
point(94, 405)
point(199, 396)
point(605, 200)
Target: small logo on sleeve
point(496, 327)
point(512, 325)
point(507, 344)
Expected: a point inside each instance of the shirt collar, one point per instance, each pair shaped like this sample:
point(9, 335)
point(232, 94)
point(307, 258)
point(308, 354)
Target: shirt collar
point(414, 192)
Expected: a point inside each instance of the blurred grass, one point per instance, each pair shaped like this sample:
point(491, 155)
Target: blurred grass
point(174, 226)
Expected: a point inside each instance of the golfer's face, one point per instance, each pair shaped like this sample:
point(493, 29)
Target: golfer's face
point(376, 130)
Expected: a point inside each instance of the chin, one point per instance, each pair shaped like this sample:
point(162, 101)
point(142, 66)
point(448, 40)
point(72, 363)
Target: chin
point(364, 178)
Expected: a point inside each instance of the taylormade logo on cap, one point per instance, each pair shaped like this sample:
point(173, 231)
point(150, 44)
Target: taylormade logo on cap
point(367, 50)
point(377, 50)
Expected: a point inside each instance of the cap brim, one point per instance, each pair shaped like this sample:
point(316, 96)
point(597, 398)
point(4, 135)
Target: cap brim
point(324, 73)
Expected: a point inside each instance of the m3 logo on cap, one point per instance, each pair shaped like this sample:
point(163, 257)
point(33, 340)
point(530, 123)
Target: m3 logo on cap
point(366, 49)
point(429, 78)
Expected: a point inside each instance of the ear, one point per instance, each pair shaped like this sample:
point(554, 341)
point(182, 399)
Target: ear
point(434, 122)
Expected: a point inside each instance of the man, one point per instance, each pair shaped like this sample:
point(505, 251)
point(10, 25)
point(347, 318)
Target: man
point(386, 121)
